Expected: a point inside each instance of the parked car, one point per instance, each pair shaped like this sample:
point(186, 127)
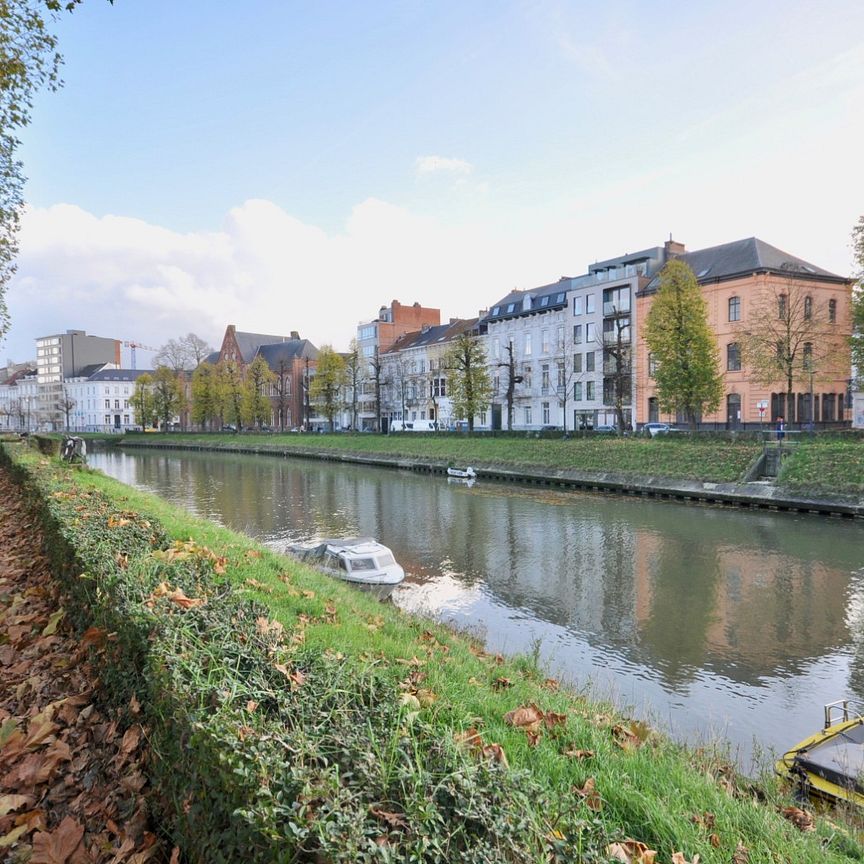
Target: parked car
point(655, 429)
point(606, 429)
point(229, 427)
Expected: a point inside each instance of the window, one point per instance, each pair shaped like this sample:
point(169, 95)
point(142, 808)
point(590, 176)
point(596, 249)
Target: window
point(589, 304)
point(589, 390)
point(125, 419)
point(832, 311)
point(108, 404)
point(527, 376)
point(733, 409)
point(733, 357)
point(577, 334)
point(808, 356)
point(577, 362)
point(544, 378)
point(545, 413)
point(589, 330)
point(510, 307)
point(125, 404)
point(107, 419)
point(116, 404)
point(577, 305)
point(589, 361)
point(527, 344)
point(528, 419)
point(652, 366)
point(561, 381)
point(734, 308)
point(782, 305)
point(577, 391)
point(559, 338)
point(808, 308)
point(544, 341)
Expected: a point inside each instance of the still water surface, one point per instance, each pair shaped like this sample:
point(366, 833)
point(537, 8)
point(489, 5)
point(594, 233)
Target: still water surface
point(709, 622)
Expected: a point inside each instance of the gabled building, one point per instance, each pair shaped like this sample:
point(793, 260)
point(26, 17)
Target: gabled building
point(290, 359)
point(740, 282)
point(415, 379)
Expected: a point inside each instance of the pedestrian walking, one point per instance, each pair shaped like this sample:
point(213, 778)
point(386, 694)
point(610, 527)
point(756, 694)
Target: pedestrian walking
point(781, 428)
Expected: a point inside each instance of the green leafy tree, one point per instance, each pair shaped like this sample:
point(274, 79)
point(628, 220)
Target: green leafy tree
point(231, 383)
point(257, 409)
point(29, 62)
point(325, 388)
point(142, 400)
point(858, 303)
point(468, 380)
point(677, 332)
point(167, 395)
point(207, 396)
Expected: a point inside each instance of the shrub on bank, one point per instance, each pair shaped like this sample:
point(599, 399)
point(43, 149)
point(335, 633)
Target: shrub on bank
point(316, 737)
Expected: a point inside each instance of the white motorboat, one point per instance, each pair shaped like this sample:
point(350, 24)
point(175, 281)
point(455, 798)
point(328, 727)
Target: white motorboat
point(362, 561)
point(462, 473)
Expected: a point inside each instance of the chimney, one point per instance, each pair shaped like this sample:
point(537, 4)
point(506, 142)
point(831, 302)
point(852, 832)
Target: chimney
point(295, 334)
point(672, 248)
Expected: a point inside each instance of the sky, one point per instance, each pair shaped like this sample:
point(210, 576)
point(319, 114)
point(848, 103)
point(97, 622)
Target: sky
point(286, 166)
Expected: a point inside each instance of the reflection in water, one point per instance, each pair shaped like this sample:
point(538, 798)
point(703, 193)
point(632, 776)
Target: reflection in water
point(709, 620)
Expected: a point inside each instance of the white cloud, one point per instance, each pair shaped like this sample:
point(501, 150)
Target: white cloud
point(442, 165)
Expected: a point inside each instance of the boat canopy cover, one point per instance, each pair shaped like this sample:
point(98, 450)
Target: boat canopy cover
point(838, 759)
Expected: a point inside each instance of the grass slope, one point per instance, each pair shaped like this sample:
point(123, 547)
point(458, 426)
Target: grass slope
point(435, 686)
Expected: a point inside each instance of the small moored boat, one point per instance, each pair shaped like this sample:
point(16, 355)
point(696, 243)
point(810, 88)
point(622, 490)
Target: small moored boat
point(362, 561)
point(830, 763)
point(462, 473)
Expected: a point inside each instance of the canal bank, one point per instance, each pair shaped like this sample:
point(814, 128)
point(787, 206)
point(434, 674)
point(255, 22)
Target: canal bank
point(379, 731)
point(748, 495)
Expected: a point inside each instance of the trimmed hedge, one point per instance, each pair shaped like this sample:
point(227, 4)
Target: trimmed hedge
point(264, 751)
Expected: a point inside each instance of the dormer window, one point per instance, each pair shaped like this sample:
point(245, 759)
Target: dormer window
point(510, 307)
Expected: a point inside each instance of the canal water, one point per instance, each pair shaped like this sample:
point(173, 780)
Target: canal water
point(710, 623)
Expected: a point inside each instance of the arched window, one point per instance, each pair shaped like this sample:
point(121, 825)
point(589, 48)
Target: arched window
point(733, 357)
point(733, 409)
point(734, 308)
point(832, 311)
point(808, 307)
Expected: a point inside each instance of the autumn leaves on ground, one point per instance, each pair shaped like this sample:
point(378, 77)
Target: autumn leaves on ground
point(296, 720)
point(72, 773)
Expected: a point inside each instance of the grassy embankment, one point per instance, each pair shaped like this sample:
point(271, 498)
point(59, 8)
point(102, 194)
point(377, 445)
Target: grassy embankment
point(822, 464)
point(317, 724)
point(686, 458)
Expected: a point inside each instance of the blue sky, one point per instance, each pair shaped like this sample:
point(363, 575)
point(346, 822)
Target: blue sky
point(209, 162)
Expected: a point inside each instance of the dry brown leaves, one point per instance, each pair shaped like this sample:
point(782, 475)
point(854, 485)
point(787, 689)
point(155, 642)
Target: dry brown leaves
point(532, 720)
point(801, 819)
point(72, 776)
point(183, 550)
point(472, 739)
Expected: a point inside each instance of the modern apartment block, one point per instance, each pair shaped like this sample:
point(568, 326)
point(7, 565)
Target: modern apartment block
point(62, 356)
point(562, 354)
point(377, 336)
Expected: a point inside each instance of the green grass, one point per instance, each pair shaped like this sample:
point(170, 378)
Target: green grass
point(682, 457)
point(829, 466)
point(650, 793)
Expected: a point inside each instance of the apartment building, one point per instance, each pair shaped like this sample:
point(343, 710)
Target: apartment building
point(100, 400)
point(742, 282)
point(62, 356)
point(377, 336)
point(414, 376)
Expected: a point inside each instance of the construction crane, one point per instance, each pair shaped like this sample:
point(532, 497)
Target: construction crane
point(133, 345)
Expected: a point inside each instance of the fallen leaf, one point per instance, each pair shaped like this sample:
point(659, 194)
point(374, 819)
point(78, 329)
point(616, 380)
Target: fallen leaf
point(578, 754)
point(93, 636)
point(714, 840)
point(501, 683)
point(741, 855)
point(526, 717)
point(678, 858)
point(58, 846)
point(394, 820)
point(631, 852)
point(495, 752)
point(14, 835)
point(550, 718)
point(590, 795)
point(53, 621)
point(551, 684)
point(801, 819)
point(10, 803)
